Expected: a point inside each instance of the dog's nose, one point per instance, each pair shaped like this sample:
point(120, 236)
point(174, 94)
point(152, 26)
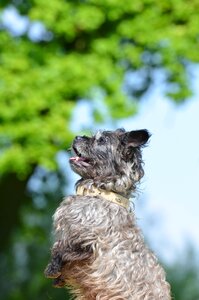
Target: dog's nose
point(80, 138)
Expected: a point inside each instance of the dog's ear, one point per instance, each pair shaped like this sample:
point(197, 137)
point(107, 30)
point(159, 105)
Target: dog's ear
point(137, 138)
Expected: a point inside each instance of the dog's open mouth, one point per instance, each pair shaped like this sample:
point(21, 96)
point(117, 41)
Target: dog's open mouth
point(79, 158)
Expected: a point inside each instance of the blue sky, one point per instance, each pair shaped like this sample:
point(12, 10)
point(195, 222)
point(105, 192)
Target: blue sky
point(170, 185)
point(168, 203)
point(171, 180)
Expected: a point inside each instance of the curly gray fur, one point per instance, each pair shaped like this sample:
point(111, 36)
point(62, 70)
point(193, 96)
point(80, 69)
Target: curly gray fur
point(99, 251)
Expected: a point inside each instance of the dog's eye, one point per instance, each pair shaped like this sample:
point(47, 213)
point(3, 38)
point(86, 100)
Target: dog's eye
point(129, 152)
point(101, 140)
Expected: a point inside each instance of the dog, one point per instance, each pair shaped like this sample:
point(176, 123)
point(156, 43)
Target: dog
point(99, 252)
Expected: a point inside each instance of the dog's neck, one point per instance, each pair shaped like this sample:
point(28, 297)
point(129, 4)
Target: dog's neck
point(121, 185)
point(107, 195)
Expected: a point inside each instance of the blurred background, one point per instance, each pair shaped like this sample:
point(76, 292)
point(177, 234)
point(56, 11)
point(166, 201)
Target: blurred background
point(73, 67)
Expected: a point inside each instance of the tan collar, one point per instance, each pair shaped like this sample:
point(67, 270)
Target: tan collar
point(110, 196)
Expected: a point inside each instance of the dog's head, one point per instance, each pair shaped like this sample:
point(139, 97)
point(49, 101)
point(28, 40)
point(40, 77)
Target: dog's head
point(110, 155)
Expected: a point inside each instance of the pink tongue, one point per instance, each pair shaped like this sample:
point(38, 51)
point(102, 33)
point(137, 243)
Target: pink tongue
point(77, 158)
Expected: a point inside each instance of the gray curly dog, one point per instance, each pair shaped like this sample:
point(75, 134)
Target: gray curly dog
point(99, 251)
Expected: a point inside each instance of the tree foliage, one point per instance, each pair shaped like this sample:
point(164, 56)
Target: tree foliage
point(184, 275)
point(23, 264)
point(84, 46)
